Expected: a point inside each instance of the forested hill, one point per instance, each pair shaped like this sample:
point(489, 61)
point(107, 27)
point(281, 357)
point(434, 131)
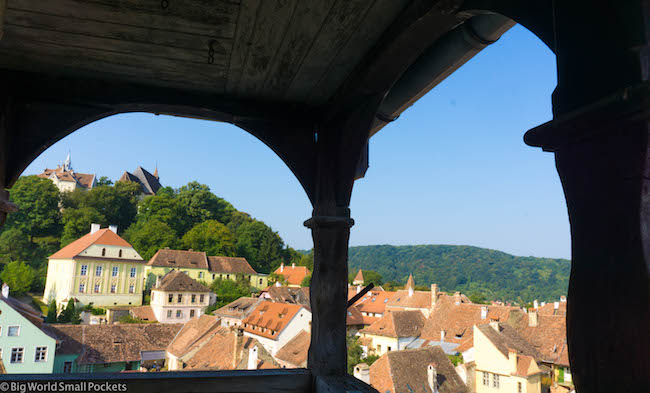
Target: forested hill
point(472, 270)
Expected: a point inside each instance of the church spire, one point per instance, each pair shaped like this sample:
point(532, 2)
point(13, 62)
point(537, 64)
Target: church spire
point(155, 172)
point(67, 164)
point(410, 285)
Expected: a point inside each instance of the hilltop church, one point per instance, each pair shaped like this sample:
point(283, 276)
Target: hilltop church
point(66, 179)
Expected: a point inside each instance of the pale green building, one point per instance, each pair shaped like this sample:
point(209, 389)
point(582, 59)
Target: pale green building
point(199, 266)
point(100, 268)
point(27, 346)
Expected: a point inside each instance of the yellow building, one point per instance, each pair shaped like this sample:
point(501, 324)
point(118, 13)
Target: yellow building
point(100, 268)
point(505, 362)
point(197, 265)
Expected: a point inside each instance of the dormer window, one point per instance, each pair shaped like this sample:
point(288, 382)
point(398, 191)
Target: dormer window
point(103, 252)
point(119, 254)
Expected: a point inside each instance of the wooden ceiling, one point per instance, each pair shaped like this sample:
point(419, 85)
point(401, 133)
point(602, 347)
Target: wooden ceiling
point(283, 50)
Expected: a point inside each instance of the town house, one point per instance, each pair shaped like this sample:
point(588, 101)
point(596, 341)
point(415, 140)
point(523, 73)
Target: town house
point(99, 269)
point(232, 314)
point(176, 298)
point(393, 332)
point(294, 275)
point(275, 324)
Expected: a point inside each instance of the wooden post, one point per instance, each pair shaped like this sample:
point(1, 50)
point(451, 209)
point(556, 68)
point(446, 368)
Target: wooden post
point(3, 10)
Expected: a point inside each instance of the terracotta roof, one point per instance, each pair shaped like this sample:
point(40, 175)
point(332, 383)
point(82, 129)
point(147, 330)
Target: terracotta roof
point(178, 281)
point(419, 299)
point(295, 351)
point(506, 338)
point(354, 317)
point(228, 351)
point(468, 343)
point(457, 320)
point(235, 265)
point(85, 180)
point(358, 277)
point(113, 343)
point(526, 366)
point(269, 319)
point(179, 259)
point(104, 237)
point(143, 312)
point(192, 334)
point(548, 337)
point(150, 184)
point(406, 371)
point(549, 309)
point(289, 295)
point(374, 301)
point(293, 274)
point(240, 308)
point(397, 324)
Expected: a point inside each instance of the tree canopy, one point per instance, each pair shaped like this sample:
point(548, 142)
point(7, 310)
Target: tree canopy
point(18, 275)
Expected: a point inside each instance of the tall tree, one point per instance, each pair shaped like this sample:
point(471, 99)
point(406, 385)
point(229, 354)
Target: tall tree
point(104, 181)
point(18, 275)
point(200, 204)
point(262, 247)
point(212, 237)
point(147, 237)
point(117, 204)
point(14, 246)
point(38, 203)
point(76, 223)
point(230, 290)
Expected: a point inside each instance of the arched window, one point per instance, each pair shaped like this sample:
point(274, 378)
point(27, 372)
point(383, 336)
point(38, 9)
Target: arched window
point(103, 252)
point(120, 254)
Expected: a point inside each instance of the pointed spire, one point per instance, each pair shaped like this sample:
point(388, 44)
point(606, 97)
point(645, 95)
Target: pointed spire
point(358, 279)
point(155, 172)
point(410, 285)
point(67, 164)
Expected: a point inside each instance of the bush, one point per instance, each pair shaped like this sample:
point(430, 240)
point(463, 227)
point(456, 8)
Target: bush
point(130, 319)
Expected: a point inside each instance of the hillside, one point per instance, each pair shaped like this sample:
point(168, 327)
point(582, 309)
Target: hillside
point(471, 270)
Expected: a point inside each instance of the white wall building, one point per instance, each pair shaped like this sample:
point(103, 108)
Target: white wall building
point(275, 324)
point(177, 298)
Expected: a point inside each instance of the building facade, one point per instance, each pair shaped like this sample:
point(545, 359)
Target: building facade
point(99, 269)
point(66, 179)
point(177, 298)
point(275, 324)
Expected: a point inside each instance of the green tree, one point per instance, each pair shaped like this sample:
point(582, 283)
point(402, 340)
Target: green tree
point(200, 205)
point(14, 246)
point(38, 203)
point(306, 281)
point(104, 181)
point(51, 313)
point(18, 275)
point(70, 314)
point(118, 204)
point(212, 237)
point(150, 236)
point(163, 207)
point(263, 248)
point(275, 277)
point(230, 290)
point(76, 223)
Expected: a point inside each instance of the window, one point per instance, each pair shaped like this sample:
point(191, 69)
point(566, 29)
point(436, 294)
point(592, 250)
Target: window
point(41, 354)
point(200, 274)
point(132, 288)
point(201, 298)
point(84, 270)
point(495, 381)
point(378, 347)
point(486, 379)
point(103, 252)
point(169, 313)
point(213, 276)
point(82, 288)
point(116, 271)
point(96, 287)
point(98, 270)
point(133, 271)
point(227, 276)
point(180, 298)
point(119, 254)
point(67, 367)
point(13, 331)
point(519, 387)
point(260, 281)
point(113, 288)
point(179, 314)
point(191, 313)
point(171, 298)
point(193, 298)
point(389, 348)
point(17, 355)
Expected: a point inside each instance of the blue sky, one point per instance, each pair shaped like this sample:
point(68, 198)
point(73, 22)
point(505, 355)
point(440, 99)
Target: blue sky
point(452, 170)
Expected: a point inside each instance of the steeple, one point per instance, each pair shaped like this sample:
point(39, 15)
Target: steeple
point(410, 285)
point(67, 164)
point(155, 172)
point(358, 279)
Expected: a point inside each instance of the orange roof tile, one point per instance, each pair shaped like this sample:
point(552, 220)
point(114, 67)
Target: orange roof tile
point(293, 274)
point(397, 324)
point(104, 237)
point(295, 350)
point(358, 277)
point(277, 314)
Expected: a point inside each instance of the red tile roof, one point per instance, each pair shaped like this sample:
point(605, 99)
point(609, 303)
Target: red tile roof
point(84, 179)
point(295, 350)
point(227, 350)
point(358, 277)
point(293, 274)
point(236, 265)
point(397, 324)
point(269, 319)
point(548, 337)
point(179, 259)
point(192, 334)
point(104, 237)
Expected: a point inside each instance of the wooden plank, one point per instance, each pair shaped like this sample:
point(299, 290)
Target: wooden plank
point(3, 10)
point(273, 19)
point(241, 43)
point(308, 19)
point(341, 23)
point(116, 31)
point(48, 57)
point(245, 381)
point(151, 52)
point(221, 27)
point(382, 15)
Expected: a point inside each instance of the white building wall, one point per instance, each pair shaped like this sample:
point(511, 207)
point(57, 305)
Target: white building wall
point(160, 305)
point(300, 321)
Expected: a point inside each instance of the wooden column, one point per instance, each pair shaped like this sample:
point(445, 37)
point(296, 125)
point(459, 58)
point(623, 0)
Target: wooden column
point(600, 139)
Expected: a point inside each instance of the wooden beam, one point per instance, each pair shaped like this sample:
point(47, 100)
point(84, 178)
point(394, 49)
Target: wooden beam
point(3, 10)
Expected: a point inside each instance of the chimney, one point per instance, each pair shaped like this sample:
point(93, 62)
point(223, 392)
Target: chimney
point(281, 267)
point(94, 228)
point(556, 305)
point(362, 372)
point(442, 336)
point(457, 297)
point(252, 358)
point(432, 377)
point(535, 304)
point(293, 265)
point(563, 298)
point(113, 228)
point(434, 294)
point(532, 318)
point(411, 291)
point(495, 325)
point(358, 289)
point(157, 281)
point(484, 312)
point(5, 291)
point(512, 358)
